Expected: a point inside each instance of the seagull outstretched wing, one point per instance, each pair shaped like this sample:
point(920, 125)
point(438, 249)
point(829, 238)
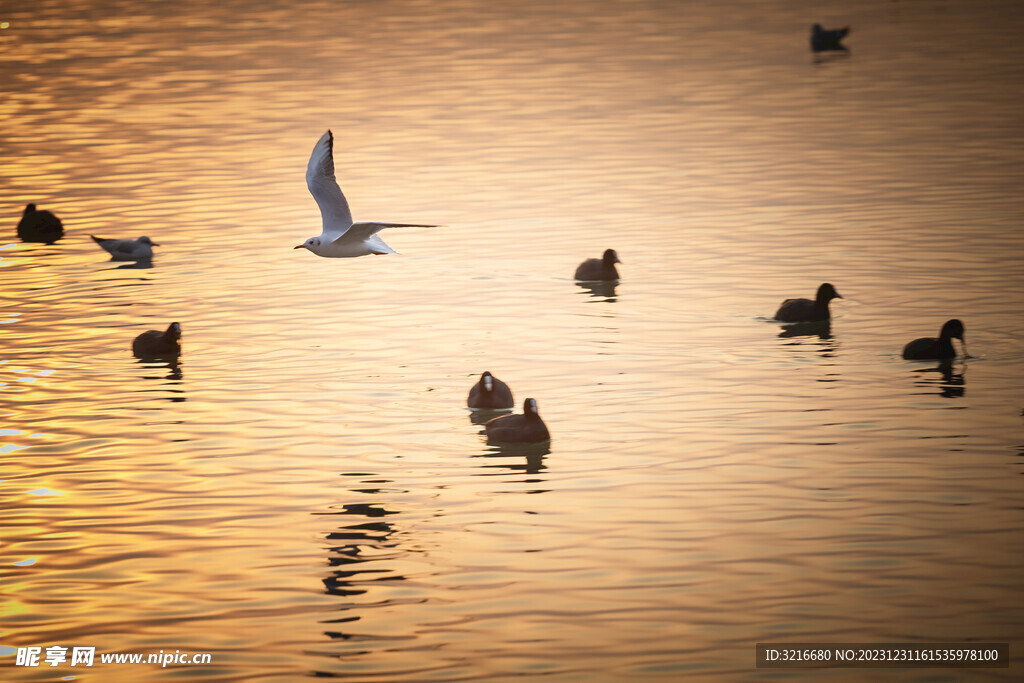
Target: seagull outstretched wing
point(362, 230)
point(324, 187)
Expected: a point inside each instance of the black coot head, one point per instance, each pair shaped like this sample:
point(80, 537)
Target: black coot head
point(31, 208)
point(610, 256)
point(530, 407)
point(827, 292)
point(173, 331)
point(953, 329)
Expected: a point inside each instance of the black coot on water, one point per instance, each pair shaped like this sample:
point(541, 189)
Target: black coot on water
point(490, 393)
point(525, 428)
point(599, 268)
point(823, 39)
point(156, 344)
point(805, 310)
point(932, 348)
point(39, 226)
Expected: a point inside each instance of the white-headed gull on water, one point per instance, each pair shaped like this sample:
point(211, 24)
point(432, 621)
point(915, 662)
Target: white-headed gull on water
point(128, 250)
point(341, 238)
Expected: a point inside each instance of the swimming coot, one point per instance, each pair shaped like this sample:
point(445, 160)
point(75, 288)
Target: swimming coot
point(490, 393)
point(599, 268)
point(39, 226)
point(930, 348)
point(823, 39)
point(525, 428)
point(155, 343)
point(805, 310)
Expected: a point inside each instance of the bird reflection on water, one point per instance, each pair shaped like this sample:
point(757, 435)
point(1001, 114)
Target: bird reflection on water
point(171, 382)
point(602, 290)
point(348, 542)
point(811, 336)
point(950, 379)
point(481, 417)
point(820, 328)
point(827, 57)
point(510, 456)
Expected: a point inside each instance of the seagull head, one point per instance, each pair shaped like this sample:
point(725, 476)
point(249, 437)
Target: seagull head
point(146, 240)
point(312, 244)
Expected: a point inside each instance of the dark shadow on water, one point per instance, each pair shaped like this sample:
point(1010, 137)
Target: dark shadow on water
point(526, 458)
point(821, 329)
point(167, 372)
point(947, 377)
point(358, 553)
point(828, 56)
point(602, 290)
point(479, 417)
point(365, 550)
point(347, 544)
point(816, 336)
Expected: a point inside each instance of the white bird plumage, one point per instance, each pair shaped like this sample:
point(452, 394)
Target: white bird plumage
point(341, 238)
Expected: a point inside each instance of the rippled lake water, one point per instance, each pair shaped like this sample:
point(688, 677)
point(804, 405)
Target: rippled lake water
point(306, 494)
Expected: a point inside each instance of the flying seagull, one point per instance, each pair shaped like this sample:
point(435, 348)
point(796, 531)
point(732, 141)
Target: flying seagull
point(341, 238)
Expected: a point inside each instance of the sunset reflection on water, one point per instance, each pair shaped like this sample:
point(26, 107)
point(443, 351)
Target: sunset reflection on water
point(305, 493)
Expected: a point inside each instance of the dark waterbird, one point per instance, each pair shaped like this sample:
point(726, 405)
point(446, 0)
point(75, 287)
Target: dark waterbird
point(823, 39)
point(156, 344)
point(39, 226)
point(490, 393)
point(525, 428)
point(805, 310)
point(932, 348)
point(599, 268)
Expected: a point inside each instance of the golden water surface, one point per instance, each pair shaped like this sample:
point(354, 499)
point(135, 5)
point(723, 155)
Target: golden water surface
point(306, 494)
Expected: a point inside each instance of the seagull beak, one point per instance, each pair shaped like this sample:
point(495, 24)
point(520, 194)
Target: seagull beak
point(155, 244)
point(299, 247)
